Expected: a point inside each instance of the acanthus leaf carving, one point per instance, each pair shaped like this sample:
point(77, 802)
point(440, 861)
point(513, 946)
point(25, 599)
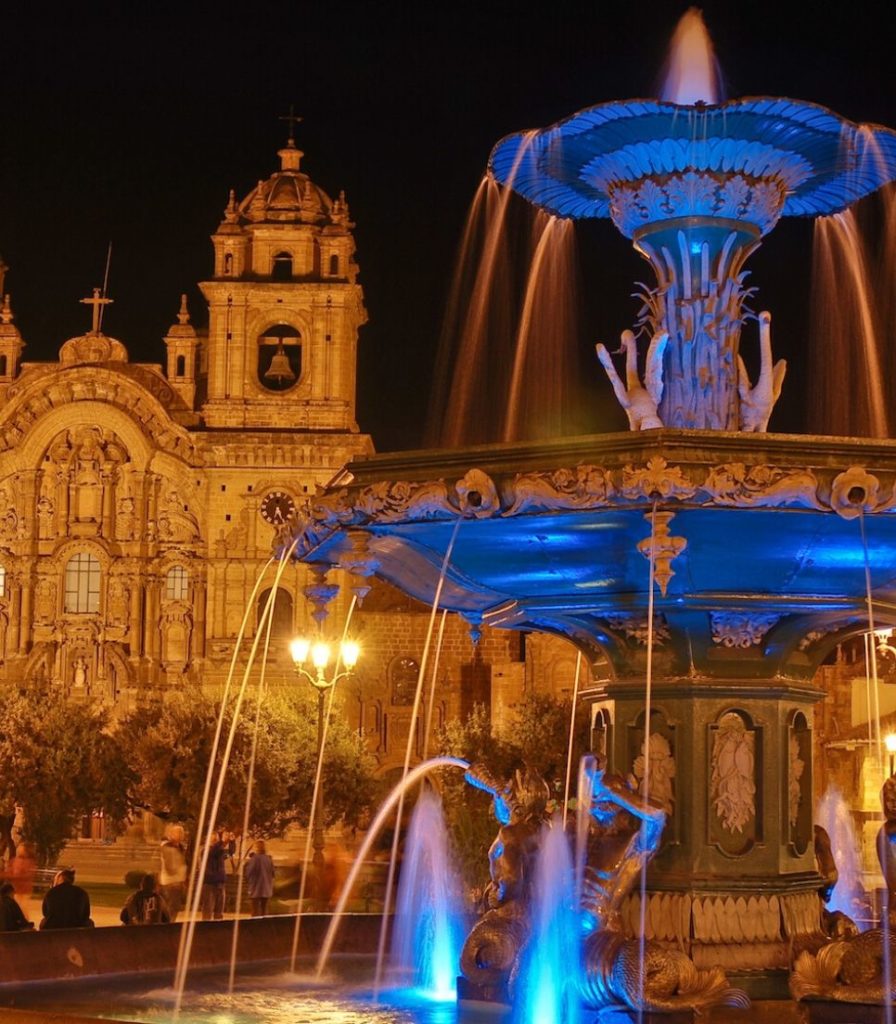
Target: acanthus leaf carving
point(393, 502)
point(741, 629)
point(637, 628)
point(657, 479)
point(737, 485)
point(584, 487)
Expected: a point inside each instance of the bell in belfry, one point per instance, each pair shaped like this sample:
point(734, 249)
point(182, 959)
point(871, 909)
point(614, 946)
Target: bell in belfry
point(280, 370)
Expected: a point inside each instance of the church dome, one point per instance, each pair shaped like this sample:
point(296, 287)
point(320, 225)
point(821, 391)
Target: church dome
point(287, 196)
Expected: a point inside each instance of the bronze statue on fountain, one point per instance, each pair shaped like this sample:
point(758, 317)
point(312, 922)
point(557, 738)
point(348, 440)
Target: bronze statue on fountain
point(624, 831)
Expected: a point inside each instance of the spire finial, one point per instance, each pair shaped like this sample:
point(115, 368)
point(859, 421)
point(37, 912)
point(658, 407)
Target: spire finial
point(6, 311)
point(292, 119)
point(98, 302)
point(231, 213)
point(183, 316)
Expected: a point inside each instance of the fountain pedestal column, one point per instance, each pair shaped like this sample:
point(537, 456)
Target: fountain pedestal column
point(734, 883)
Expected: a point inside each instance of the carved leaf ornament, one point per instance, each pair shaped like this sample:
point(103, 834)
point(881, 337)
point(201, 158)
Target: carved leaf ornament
point(586, 487)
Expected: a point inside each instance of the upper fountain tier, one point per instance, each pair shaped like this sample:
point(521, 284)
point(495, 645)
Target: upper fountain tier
point(647, 162)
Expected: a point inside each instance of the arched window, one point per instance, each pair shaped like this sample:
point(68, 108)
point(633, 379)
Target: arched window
point(180, 366)
point(177, 583)
point(281, 626)
point(82, 584)
point(2, 366)
point(403, 673)
point(228, 263)
point(2, 581)
point(281, 270)
point(334, 265)
point(279, 357)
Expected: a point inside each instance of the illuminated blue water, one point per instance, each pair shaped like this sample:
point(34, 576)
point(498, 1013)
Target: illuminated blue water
point(429, 924)
point(276, 998)
point(547, 989)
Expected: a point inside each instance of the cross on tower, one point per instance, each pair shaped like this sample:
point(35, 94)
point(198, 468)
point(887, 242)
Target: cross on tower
point(293, 120)
point(98, 301)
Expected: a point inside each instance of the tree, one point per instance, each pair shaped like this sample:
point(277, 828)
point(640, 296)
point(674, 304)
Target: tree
point(169, 748)
point(58, 762)
point(537, 735)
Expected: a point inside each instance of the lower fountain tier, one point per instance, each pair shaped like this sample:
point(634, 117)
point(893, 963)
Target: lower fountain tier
point(759, 548)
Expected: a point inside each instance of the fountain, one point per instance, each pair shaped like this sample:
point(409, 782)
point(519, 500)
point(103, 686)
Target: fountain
point(697, 551)
point(429, 919)
point(713, 566)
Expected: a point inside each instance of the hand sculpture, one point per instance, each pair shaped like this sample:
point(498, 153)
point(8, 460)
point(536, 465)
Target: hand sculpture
point(756, 403)
point(640, 401)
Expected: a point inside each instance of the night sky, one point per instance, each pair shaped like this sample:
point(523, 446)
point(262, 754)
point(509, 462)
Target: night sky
point(130, 123)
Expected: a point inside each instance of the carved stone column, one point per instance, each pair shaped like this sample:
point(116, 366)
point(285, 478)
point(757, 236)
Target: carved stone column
point(26, 589)
point(151, 619)
point(15, 640)
point(107, 526)
point(62, 502)
point(135, 632)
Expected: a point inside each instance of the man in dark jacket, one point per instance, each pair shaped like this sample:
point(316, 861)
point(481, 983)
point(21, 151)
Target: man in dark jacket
point(146, 905)
point(66, 905)
point(221, 846)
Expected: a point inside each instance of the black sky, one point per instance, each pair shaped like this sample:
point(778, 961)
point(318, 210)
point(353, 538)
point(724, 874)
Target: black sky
point(130, 123)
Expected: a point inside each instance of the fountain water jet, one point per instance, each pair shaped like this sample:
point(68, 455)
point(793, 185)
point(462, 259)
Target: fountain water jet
point(546, 988)
point(692, 74)
point(427, 932)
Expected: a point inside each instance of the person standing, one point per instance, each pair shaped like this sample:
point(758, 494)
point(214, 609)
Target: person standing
point(66, 905)
point(173, 872)
point(214, 880)
point(260, 878)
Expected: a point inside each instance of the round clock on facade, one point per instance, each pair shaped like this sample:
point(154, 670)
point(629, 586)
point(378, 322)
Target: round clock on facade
point(277, 507)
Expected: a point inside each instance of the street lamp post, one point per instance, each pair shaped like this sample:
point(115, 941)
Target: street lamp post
point(319, 652)
point(890, 744)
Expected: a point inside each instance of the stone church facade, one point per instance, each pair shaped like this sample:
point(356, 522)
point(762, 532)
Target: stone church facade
point(139, 504)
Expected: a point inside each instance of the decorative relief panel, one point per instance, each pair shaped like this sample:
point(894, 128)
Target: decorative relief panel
point(799, 783)
point(636, 628)
point(740, 629)
point(734, 750)
point(651, 762)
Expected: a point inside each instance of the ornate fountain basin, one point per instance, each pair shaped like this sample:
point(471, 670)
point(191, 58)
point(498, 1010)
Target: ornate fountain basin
point(759, 558)
point(760, 561)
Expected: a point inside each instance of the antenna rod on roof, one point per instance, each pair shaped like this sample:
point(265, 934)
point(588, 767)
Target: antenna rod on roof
point(105, 286)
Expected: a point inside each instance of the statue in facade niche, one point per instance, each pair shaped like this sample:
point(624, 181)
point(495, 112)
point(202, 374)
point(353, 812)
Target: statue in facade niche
point(79, 673)
point(119, 597)
point(640, 401)
point(625, 833)
point(45, 515)
point(45, 600)
point(125, 518)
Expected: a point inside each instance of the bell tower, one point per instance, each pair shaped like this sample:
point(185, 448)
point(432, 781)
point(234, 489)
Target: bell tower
point(11, 343)
point(285, 307)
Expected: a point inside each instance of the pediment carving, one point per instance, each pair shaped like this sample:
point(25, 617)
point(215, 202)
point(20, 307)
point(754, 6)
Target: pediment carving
point(31, 401)
point(92, 348)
